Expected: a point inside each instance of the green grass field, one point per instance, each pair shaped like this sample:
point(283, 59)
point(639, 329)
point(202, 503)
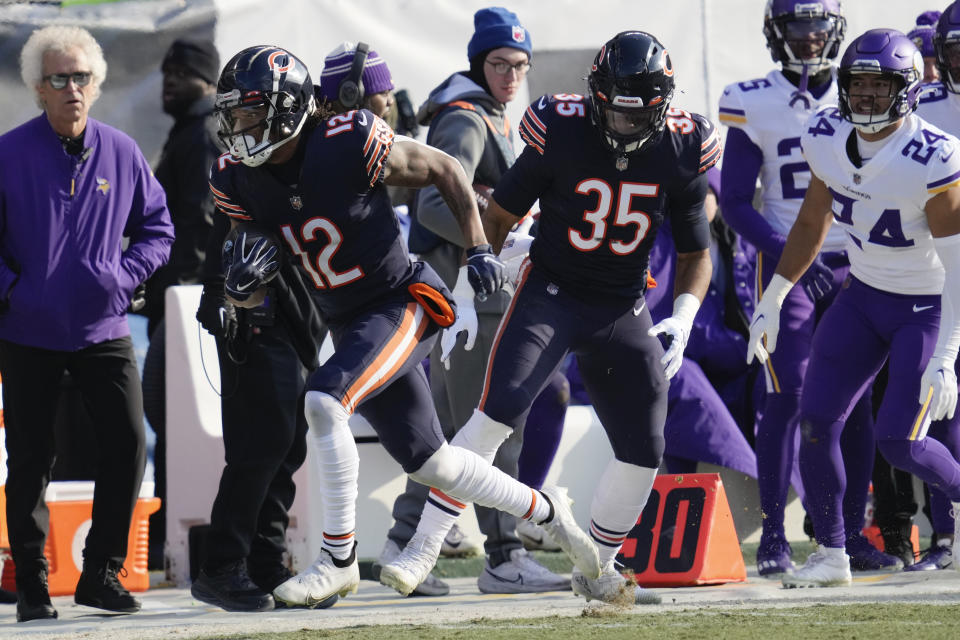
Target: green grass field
point(929, 622)
point(560, 563)
point(766, 622)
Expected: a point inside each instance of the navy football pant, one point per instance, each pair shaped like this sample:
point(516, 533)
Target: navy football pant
point(618, 361)
point(376, 371)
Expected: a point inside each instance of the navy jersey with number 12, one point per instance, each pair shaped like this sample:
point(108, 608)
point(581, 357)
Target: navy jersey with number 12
point(336, 222)
point(599, 217)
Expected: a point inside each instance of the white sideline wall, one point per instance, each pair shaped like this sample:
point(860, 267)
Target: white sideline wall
point(195, 459)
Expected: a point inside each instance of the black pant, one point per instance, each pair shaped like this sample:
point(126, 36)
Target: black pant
point(109, 384)
point(264, 438)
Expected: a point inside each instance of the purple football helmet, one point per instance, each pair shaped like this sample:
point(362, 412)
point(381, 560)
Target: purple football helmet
point(885, 53)
point(804, 33)
point(946, 45)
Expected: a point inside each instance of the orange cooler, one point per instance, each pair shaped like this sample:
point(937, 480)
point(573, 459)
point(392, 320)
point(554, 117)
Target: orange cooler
point(71, 505)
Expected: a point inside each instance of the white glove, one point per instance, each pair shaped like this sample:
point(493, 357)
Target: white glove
point(677, 327)
point(766, 319)
point(466, 319)
point(940, 379)
point(514, 251)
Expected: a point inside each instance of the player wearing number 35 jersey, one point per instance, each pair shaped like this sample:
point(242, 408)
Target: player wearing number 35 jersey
point(892, 183)
point(607, 169)
point(318, 185)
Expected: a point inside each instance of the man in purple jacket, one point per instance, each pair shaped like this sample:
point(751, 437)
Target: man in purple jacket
point(71, 189)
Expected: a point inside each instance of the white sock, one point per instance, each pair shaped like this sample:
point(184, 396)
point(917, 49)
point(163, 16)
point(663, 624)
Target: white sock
point(440, 512)
point(482, 435)
point(336, 462)
point(465, 477)
point(618, 501)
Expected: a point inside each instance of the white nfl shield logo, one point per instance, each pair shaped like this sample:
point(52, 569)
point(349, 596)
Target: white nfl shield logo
point(518, 34)
point(857, 179)
point(296, 202)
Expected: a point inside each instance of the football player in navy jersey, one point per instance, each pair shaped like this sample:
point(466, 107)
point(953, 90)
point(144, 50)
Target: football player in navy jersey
point(318, 185)
point(607, 168)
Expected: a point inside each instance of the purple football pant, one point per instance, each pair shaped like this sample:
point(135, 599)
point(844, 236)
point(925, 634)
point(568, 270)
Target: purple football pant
point(777, 429)
point(857, 334)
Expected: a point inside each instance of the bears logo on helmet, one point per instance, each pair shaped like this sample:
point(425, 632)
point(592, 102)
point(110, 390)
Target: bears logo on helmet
point(630, 85)
point(264, 97)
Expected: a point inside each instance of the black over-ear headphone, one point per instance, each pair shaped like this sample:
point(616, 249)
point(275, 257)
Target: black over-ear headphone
point(350, 92)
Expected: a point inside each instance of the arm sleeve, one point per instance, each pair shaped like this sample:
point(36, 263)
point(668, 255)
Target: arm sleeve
point(523, 183)
point(462, 134)
point(148, 227)
point(948, 336)
point(691, 231)
point(742, 160)
point(211, 273)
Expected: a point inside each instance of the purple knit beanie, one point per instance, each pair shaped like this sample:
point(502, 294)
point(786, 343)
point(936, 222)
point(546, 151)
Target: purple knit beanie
point(336, 67)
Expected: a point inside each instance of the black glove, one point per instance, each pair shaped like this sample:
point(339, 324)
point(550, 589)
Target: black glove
point(486, 273)
point(138, 300)
point(251, 258)
point(216, 315)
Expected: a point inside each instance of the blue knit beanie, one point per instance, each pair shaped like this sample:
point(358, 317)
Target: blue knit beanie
point(497, 27)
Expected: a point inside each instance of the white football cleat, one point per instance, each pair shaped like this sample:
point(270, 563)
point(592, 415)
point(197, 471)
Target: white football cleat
point(534, 538)
point(574, 541)
point(824, 568)
point(431, 586)
point(322, 580)
point(611, 587)
point(408, 570)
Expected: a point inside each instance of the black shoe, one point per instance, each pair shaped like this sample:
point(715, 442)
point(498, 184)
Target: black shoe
point(231, 589)
point(100, 587)
point(896, 540)
point(33, 597)
point(269, 577)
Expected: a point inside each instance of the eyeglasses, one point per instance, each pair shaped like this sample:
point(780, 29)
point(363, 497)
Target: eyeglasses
point(59, 80)
point(503, 68)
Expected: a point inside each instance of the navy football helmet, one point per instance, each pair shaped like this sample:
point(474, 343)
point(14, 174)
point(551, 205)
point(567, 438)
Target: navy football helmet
point(251, 258)
point(264, 97)
point(631, 85)
point(884, 53)
point(946, 45)
point(804, 33)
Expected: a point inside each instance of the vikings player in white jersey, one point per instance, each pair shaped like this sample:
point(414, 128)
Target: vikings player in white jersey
point(892, 182)
point(766, 117)
point(940, 105)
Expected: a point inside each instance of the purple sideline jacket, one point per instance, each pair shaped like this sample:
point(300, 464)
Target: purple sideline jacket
point(62, 221)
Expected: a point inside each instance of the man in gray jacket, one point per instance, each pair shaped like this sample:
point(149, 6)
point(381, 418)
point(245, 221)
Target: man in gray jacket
point(467, 120)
